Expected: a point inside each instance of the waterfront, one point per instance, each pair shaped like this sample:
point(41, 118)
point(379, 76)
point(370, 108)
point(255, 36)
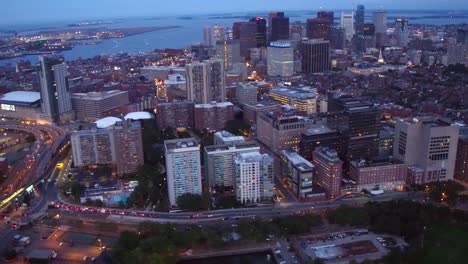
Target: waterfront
point(191, 28)
point(253, 258)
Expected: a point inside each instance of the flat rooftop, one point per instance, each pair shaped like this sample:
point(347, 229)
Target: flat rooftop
point(318, 130)
point(295, 92)
point(187, 144)
point(224, 104)
point(235, 147)
point(20, 98)
point(97, 96)
point(298, 161)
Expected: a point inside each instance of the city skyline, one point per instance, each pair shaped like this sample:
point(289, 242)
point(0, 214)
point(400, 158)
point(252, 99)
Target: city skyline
point(26, 11)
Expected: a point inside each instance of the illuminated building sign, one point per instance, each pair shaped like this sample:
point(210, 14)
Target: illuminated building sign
point(8, 107)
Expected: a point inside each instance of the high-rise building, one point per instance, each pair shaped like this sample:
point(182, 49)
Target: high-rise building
point(359, 123)
point(205, 81)
point(462, 36)
point(298, 174)
point(401, 32)
point(219, 33)
point(177, 114)
point(337, 38)
point(183, 168)
point(261, 31)
point(327, 15)
point(280, 59)
point(380, 24)
point(347, 22)
point(315, 55)
point(213, 116)
point(119, 145)
point(207, 37)
point(246, 93)
point(318, 28)
point(229, 52)
point(297, 30)
point(55, 94)
point(319, 135)
point(278, 26)
point(96, 105)
point(360, 17)
point(428, 143)
point(246, 33)
point(253, 177)
point(219, 159)
point(328, 171)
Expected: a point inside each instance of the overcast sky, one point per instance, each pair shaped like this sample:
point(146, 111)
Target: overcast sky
point(17, 11)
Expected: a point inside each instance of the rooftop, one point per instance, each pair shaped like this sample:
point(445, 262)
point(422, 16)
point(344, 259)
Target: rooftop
point(214, 104)
point(234, 147)
point(295, 92)
point(20, 97)
point(107, 121)
point(298, 161)
point(187, 144)
point(96, 96)
point(138, 116)
point(328, 153)
point(318, 130)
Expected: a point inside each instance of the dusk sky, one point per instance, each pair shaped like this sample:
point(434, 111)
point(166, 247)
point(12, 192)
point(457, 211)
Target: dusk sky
point(24, 11)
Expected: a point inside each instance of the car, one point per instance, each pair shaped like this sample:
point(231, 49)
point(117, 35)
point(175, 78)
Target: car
point(277, 251)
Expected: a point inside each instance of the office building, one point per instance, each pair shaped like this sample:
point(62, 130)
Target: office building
point(320, 135)
point(301, 98)
point(205, 81)
point(119, 145)
point(280, 59)
point(92, 106)
point(428, 143)
point(228, 51)
point(360, 17)
point(359, 123)
point(280, 131)
point(328, 171)
point(401, 32)
point(246, 93)
point(347, 22)
point(386, 136)
point(213, 116)
point(386, 175)
point(251, 111)
point(225, 138)
point(278, 26)
point(297, 31)
point(315, 55)
point(177, 114)
point(253, 177)
point(245, 33)
point(183, 168)
point(55, 94)
point(207, 37)
point(219, 162)
point(337, 38)
point(297, 173)
point(380, 24)
point(261, 31)
point(318, 28)
point(219, 33)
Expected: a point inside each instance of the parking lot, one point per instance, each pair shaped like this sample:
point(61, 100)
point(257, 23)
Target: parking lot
point(343, 247)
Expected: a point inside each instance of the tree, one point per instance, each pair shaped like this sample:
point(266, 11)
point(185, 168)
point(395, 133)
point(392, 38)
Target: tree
point(77, 189)
point(237, 127)
point(189, 201)
point(128, 240)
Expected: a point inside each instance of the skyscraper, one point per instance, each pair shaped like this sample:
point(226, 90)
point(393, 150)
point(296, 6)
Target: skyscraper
point(278, 26)
point(246, 33)
point(207, 37)
point(55, 95)
point(347, 22)
point(401, 32)
point(280, 58)
point(229, 52)
point(360, 15)
point(261, 31)
point(183, 168)
point(219, 33)
point(326, 15)
point(318, 28)
point(205, 81)
point(380, 24)
point(315, 55)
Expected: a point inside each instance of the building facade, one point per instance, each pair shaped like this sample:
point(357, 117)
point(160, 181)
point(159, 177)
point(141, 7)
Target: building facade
point(92, 106)
point(246, 93)
point(302, 98)
point(384, 175)
point(328, 171)
point(297, 173)
point(175, 115)
point(214, 116)
point(280, 59)
point(315, 55)
point(205, 81)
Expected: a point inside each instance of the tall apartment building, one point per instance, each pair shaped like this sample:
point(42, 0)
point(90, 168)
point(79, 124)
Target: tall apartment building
point(278, 26)
point(214, 116)
point(302, 98)
point(278, 131)
point(119, 145)
point(280, 59)
point(253, 177)
point(246, 93)
point(183, 168)
point(205, 81)
point(55, 94)
point(328, 171)
point(428, 143)
point(177, 114)
point(298, 174)
point(384, 175)
point(92, 106)
point(315, 55)
point(219, 166)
